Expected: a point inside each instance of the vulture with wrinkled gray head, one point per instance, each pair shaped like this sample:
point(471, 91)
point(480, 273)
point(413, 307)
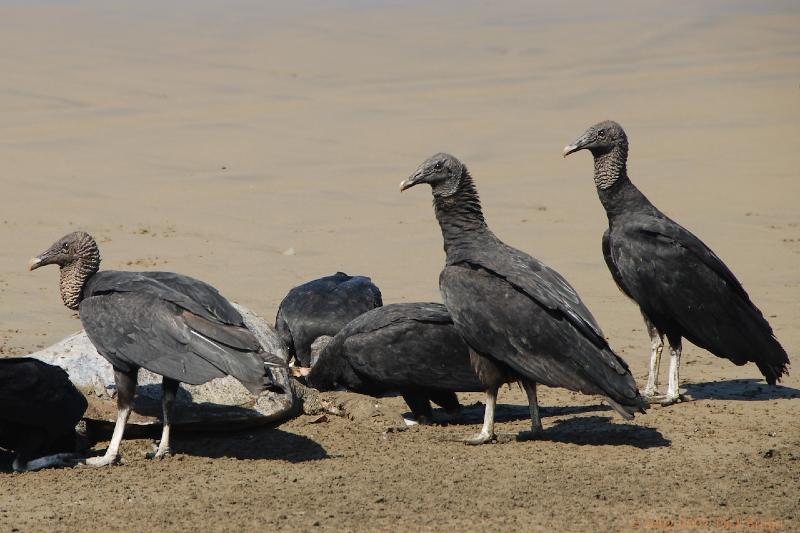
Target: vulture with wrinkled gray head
point(172, 325)
point(683, 289)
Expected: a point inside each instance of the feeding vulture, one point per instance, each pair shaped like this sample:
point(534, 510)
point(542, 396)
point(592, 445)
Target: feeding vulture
point(683, 289)
point(322, 307)
point(172, 325)
point(517, 316)
point(39, 408)
point(411, 348)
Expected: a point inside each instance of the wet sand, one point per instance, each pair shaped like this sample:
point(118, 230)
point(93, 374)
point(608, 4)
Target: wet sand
point(211, 140)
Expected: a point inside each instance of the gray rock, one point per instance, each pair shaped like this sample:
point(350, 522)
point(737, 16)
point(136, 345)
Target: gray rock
point(220, 404)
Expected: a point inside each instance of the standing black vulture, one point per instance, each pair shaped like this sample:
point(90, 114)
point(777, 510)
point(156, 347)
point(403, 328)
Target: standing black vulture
point(518, 316)
point(322, 307)
point(683, 289)
point(170, 324)
point(411, 348)
point(39, 408)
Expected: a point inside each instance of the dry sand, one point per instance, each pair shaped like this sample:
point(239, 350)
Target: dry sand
point(209, 138)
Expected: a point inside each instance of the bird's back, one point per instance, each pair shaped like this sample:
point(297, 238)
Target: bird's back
point(410, 345)
point(172, 325)
point(187, 292)
point(323, 307)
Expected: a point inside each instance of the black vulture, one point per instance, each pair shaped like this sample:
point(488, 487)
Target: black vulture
point(173, 325)
point(411, 348)
point(683, 289)
point(39, 408)
point(517, 316)
point(322, 307)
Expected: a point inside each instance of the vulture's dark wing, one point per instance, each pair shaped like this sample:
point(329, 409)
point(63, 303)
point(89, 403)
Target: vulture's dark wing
point(323, 307)
point(139, 329)
point(192, 294)
point(37, 394)
point(499, 320)
point(410, 345)
point(542, 284)
point(674, 276)
point(616, 275)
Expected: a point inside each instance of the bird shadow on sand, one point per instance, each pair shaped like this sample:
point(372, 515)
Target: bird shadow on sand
point(602, 431)
point(262, 443)
point(739, 389)
point(473, 414)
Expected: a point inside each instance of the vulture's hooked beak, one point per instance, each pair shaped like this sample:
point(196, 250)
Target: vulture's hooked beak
point(414, 179)
point(579, 144)
point(34, 263)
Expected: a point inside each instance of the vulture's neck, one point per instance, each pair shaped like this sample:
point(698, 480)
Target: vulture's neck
point(460, 215)
point(617, 194)
point(73, 278)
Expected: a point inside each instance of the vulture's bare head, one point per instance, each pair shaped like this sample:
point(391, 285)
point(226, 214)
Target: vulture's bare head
point(601, 138)
point(69, 249)
point(442, 172)
point(78, 257)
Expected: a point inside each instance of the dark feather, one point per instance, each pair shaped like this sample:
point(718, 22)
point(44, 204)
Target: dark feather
point(685, 289)
point(398, 347)
point(144, 329)
point(323, 307)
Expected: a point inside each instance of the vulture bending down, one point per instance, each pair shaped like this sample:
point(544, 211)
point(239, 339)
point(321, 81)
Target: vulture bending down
point(170, 324)
point(322, 307)
point(683, 289)
point(411, 348)
point(39, 408)
point(518, 317)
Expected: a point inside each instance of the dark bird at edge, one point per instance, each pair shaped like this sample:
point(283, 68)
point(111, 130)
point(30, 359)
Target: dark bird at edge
point(684, 291)
point(39, 409)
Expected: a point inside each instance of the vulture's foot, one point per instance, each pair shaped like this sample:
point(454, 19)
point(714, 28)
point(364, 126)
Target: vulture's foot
point(160, 452)
point(480, 438)
point(671, 400)
point(653, 396)
point(105, 460)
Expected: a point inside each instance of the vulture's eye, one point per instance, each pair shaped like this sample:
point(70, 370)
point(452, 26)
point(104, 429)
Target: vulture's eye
point(601, 133)
point(438, 165)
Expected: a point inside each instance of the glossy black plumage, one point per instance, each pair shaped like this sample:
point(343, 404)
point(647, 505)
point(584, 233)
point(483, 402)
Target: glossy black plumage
point(679, 283)
point(411, 348)
point(511, 309)
point(39, 408)
point(683, 287)
point(322, 307)
point(172, 325)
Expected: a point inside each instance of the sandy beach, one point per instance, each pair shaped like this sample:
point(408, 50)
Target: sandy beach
point(256, 146)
